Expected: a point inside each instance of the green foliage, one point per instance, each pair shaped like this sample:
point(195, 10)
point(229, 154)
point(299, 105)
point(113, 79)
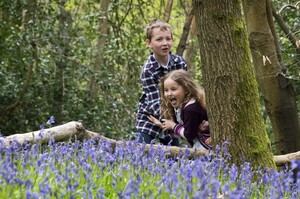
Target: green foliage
point(291, 55)
point(72, 49)
point(33, 37)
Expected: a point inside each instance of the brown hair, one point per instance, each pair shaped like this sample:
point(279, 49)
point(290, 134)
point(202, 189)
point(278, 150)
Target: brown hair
point(184, 79)
point(156, 23)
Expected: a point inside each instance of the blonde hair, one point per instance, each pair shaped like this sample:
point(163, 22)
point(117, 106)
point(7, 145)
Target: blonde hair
point(185, 80)
point(156, 23)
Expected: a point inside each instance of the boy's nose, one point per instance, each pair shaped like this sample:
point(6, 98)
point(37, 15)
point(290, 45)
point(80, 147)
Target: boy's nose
point(165, 42)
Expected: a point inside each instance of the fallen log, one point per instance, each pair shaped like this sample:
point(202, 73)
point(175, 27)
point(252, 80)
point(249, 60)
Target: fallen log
point(75, 131)
point(281, 160)
point(69, 131)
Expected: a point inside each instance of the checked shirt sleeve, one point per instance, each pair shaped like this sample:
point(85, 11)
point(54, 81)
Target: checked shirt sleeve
point(150, 87)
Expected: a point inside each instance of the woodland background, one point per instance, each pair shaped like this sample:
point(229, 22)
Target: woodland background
point(81, 59)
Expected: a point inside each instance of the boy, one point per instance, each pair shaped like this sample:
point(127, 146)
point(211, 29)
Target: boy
point(159, 39)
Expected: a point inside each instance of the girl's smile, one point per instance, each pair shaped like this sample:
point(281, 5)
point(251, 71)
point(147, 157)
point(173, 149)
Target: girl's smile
point(174, 93)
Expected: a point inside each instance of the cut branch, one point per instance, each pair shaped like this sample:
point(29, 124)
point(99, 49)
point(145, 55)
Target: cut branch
point(75, 131)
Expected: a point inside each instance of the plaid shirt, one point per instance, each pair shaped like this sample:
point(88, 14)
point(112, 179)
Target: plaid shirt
point(149, 102)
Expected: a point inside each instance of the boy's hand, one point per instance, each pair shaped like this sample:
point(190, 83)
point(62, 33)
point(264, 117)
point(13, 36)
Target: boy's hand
point(155, 121)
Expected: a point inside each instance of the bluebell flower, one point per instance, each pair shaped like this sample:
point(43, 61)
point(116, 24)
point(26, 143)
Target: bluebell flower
point(100, 193)
point(30, 195)
point(42, 129)
point(233, 173)
point(51, 120)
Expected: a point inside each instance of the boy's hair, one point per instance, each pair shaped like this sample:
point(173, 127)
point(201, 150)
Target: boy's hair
point(184, 79)
point(156, 23)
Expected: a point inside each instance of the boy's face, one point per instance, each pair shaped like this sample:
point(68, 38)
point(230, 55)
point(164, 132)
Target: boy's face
point(161, 42)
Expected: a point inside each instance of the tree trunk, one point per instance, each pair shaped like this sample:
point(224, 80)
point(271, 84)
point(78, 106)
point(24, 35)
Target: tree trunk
point(101, 47)
point(229, 81)
point(65, 22)
point(75, 131)
point(278, 92)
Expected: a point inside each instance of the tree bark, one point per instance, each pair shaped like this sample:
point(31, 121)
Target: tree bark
point(72, 131)
point(229, 80)
point(277, 90)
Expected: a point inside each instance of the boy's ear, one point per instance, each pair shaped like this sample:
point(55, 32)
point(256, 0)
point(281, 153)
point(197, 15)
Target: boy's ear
point(148, 43)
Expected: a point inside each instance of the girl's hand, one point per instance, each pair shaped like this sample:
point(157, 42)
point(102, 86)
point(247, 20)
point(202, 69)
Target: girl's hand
point(208, 141)
point(155, 121)
point(168, 124)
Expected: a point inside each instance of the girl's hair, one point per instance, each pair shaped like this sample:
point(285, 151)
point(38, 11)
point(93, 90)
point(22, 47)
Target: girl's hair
point(184, 79)
point(156, 23)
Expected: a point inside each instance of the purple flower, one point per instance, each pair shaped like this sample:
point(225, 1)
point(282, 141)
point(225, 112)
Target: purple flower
point(100, 193)
point(42, 127)
point(233, 173)
point(32, 195)
point(51, 120)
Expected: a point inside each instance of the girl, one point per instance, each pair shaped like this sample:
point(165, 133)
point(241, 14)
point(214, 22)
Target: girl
point(183, 106)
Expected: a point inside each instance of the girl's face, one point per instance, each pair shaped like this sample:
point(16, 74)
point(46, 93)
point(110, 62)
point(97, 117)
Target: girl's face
point(160, 43)
point(174, 92)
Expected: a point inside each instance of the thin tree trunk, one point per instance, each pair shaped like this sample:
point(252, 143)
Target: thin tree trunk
point(278, 92)
point(229, 81)
point(101, 46)
point(285, 28)
point(185, 33)
point(191, 50)
point(168, 11)
point(61, 64)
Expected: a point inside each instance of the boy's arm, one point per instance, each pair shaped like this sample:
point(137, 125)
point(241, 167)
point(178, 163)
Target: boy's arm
point(150, 87)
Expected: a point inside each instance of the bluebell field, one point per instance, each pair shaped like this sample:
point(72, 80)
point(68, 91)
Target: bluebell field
point(91, 169)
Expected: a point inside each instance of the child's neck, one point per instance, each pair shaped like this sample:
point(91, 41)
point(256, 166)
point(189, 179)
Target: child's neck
point(164, 61)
